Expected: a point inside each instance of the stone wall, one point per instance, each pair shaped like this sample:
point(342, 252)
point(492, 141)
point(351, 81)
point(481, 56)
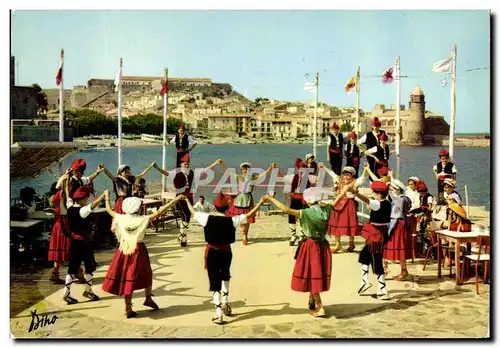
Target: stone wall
point(21, 133)
point(23, 103)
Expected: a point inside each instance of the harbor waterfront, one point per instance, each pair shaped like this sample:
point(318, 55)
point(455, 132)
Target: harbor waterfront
point(473, 165)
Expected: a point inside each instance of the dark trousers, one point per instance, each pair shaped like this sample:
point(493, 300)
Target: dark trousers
point(185, 212)
point(336, 162)
point(218, 264)
point(295, 204)
point(374, 259)
point(81, 251)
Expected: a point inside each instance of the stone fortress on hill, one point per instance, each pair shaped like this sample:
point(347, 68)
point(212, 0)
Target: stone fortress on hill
point(216, 110)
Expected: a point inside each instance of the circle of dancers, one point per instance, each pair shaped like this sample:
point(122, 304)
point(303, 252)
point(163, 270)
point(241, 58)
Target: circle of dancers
point(400, 215)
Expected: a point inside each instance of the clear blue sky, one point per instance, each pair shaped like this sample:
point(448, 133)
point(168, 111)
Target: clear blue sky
point(268, 53)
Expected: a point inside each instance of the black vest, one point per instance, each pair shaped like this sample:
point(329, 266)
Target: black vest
point(371, 140)
point(447, 168)
point(383, 215)
point(75, 184)
point(380, 153)
point(180, 181)
point(77, 225)
point(333, 142)
point(355, 151)
point(423, 200)
point(182, 143)
point(219, 230)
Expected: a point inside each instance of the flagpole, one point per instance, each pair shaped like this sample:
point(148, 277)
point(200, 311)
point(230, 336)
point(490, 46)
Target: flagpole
point(165, 121)
point(315, 113)
point(398, 116)
point(453, 101)
point(61, 101)
point(120, 159)
point(357, 100)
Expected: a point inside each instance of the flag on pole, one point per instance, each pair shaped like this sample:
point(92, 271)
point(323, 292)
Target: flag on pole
point(60, 70)
point(387, 75)
point(118, 79)
point(309, 86)
point(351, 84)
point(443, 65)
point(164, 88)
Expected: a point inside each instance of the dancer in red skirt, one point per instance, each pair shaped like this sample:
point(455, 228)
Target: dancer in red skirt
point(344, 216)
point(399, 245)
point(220, 234)
point(130, 268)
point(59, 239)
point(243, 202)
point(313, 265)
point(123, 184)
point(375, 233)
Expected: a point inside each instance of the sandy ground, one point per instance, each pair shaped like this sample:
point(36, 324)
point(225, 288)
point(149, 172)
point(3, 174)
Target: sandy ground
point(263, 304)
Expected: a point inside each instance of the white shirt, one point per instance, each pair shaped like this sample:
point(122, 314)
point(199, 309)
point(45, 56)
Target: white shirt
point(414, 196)
point(202, 218)
point(374, 204)
point(85, 211)
point(206, 207)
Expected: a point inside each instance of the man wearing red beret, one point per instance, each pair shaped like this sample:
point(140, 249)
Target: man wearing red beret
point(80, 249)
point(184, 143)
point(335, 148)
point(300, 183)
point(444, 169)
point(376, 234)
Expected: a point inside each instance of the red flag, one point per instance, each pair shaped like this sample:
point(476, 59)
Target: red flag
point(60, 70)
point(387, 75)
point(164, 88)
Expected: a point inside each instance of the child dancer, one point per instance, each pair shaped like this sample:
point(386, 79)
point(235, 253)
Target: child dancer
point(81, 247)
point(313, 261)
point(398, 247)
point(220, 233)
point(130, 268)
point(375, 233)
point(297, 200)
point(243, 202)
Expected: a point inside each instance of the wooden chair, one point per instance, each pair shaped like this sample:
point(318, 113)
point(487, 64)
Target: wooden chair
point(267, 204)
point(434, 245)
point(482, 241)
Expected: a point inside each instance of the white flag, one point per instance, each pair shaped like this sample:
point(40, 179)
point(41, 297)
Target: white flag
point(443, 65)
point(309, 86)
point(118, 79)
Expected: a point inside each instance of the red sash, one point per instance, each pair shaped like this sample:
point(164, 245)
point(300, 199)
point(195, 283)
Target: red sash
point(225, 247)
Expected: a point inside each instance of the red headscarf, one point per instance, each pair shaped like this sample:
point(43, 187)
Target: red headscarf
point(383, 137)
point(334, 126)
point(299, 163)
point(185, 158)
point(421, 187)
point(353, 135)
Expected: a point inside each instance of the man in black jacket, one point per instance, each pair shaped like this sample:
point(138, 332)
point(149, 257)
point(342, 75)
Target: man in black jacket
point(335, 148)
